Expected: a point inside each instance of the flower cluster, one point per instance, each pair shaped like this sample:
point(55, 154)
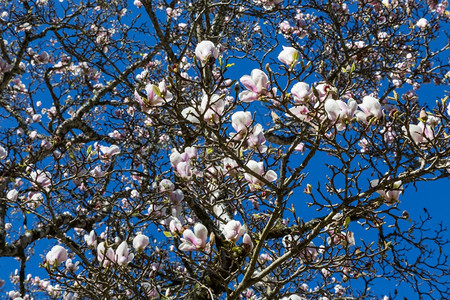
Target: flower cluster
point(157, 95)
point(182, 162)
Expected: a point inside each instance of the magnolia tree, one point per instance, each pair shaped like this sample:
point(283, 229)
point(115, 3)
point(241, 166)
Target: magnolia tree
point(169, 149)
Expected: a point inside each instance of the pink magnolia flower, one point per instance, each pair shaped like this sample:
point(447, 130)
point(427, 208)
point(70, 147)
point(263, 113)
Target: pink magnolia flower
point(206, 52)
point(175, 226)
point(422, 23)
point(105, 255)
point(57, 255)
point(176, 196)
point(421, 133)
point(301, 92)
point(391, 194)
point(140, 241)
point(70, 266)
point(41, 178)
point(285, 27)
point(184, 169)
point(289, 56)
point(257, 85)
point(256, 139)
point(324, 90)
point(341, 238)
point(258, 168)
point(181, 162)
point(12, 195)
point(370, 107)
point(211, 108)
point(91, 239)
point(3, 153)
point(108, 152)
point(340, 112)
point(166, 186)
point(247, 242)
point(300, 147)
point(293, 297)
point(157, 95)
point(233, 230)
point(97, 172)
point(230, 166)
point(194, 241)
point(123, 255)
point(241, 122)
point(177, 157)
point(301, 112)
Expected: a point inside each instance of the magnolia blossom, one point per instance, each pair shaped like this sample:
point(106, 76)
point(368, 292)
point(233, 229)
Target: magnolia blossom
point(390, 194)
point(293, 297)
point(421, 133)
point(255, 138)
point(70, 266)
point(230, 166)
point(166, 186)
point(422, 23)
point(258, 168)
point(108, 152)
point(289, 56)
point(41, 178)
point(12, 195)
point(123, 257)
point(370, 107)
point(341, 238)
point(257, 85)
point(247, 242)
point(140, 241)
point(181, 162)
point(301, 112)
point(211, 108)
point(3, 153)
point(301, 92)
point(241, 121)
point(175, 226)
point(176, 196)
point(184, 169)
point(157, 95)
point(91, 239)
point(324, 90)
point(194, 241)
point(233, 230)
point(340, 112)
point(105, 255)
point(97, 172)
point(177, 157)
point(206, 52)
point(57, 255)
